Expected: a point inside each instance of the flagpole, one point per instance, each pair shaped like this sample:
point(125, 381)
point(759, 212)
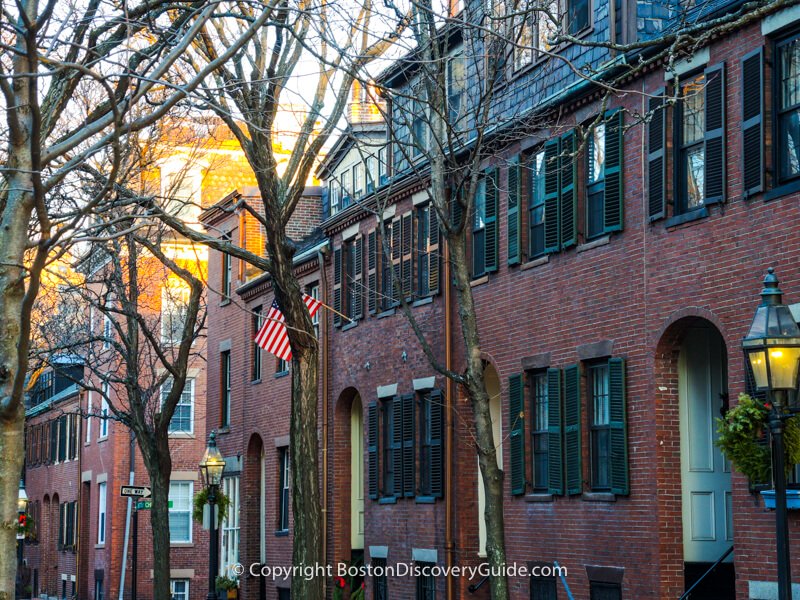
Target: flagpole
point(333, 310)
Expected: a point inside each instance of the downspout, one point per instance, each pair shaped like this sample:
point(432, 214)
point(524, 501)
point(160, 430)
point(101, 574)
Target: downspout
point(449, 545)
point(127, 519)
point(79, 543)
point(323, 292)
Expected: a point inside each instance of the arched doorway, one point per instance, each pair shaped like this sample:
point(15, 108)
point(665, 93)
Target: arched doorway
point(347, 495)
point(705, 475)
point(495, 410)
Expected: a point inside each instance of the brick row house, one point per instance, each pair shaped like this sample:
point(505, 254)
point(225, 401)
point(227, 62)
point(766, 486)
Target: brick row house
point(617, 262)
point(78, 455)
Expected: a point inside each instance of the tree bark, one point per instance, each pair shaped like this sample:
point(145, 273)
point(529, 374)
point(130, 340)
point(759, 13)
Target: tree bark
point(158, 463)
point(491, 473)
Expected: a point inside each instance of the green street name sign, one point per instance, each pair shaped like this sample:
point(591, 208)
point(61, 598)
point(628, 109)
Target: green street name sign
point(148, 504)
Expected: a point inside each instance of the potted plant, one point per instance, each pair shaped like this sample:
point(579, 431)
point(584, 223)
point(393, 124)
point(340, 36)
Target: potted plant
point(743, 438)
point(229, 585)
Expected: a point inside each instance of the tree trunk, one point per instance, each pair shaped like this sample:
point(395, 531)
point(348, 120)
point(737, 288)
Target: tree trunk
point(306, 503)
point(491, 474)
point(12, 451)
point(159, 467)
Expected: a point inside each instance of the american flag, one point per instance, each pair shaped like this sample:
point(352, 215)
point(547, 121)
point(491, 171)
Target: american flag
point(273, 336)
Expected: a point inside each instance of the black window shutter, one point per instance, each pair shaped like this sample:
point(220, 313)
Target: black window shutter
point(53, 440)
point(409, 474)
point(555, 438)
point(396, 246)
point(62, 438)
point(615, 158)
point(408, 254)
point(397, 444)
point(491, 239)
point(372, 448)
point(456, 209)
point(656, 157)
point(569, 196)
point(753, 122)
point(618, 426)
point(337, 286)
point(433, 251)
point(436, 430)
point(372, 271)
point(517, 433)
point(552, 187)
point(514, 212)
point(715, 134)
point(62, 509)
point(572, 429)
point(357, 291)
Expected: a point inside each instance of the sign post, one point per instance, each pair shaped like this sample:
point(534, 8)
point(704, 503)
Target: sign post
point(141, 492)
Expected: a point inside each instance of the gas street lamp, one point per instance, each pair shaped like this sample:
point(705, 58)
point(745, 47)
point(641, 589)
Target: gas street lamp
point(211, 468)
point(772, 348)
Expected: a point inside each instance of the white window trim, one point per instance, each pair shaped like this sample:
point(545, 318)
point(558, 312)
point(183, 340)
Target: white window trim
point(191, 525)
point(190, 432)
point(88, 439)
point(172, 586)
point(102, 512)
point(104, 412)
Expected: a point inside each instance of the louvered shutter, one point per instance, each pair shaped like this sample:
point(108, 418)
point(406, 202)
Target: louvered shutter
point(73, 437)
point(397, 445)
point(407, 264)
point(357, 285)
point(396, 260)
point(517, 433)
point(409, 474)
point(715, 134)
point(618, 423)
point(372, 271)
point(372, 448)
point(552, 188)
point(613, 198)
point(456, 210)
point(568, 203)
point(656, 156)
point(753, 122)
point(555, 434)
point(53, 440)
point(572, 430)
point(436, 430)
point(434, 259)
point(514, 212)
point(62, 509)
point(491, 235)
point(62, 438)
point(337, 286)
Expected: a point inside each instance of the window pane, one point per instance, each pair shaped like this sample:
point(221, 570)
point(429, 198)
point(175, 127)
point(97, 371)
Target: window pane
point(479, 217)
point(600, 395)
point(790, 141)
point(695, 176)
point(790, 74)
point(597, 153)
point(578, 15)
point(694, 111)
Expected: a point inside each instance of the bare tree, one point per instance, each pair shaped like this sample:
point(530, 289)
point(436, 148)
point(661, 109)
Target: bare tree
point(75, 79)
point(135, 319)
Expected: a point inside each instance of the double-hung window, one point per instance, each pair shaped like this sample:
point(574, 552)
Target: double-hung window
point(230, 527)
point(358, 180)
point(225, 388)
point(179, 589)
point(700, 141)
point(388, 446)
point(180, 513)
point(788, 110)
point(595, 180)
point(183, 417)
point(334, 195)
point(101, 513)
point(226, 270)
point(257, 320)
point(691, 159)
point(283, 491)
point(431, 470)
point(536, 210)
point(419, 126)
point(600, 425)
point(344, 178)
point(539, 431)
point(456, 90)
point(104, 411)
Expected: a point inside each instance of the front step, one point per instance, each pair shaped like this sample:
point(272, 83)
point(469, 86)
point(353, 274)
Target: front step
point(720, 584)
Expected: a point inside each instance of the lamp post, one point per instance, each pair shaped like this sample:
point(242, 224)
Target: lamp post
point(22, 512)
point(772, 347)
point(211, 468)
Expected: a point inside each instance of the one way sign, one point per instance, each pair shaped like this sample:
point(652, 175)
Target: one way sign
point(135, 491)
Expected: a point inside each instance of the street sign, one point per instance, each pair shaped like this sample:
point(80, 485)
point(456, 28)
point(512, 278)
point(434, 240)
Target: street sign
point(148, 504)
point(135, 491)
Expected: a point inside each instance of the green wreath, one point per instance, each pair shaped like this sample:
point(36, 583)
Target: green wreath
point(742, 436)
point(201, 499)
